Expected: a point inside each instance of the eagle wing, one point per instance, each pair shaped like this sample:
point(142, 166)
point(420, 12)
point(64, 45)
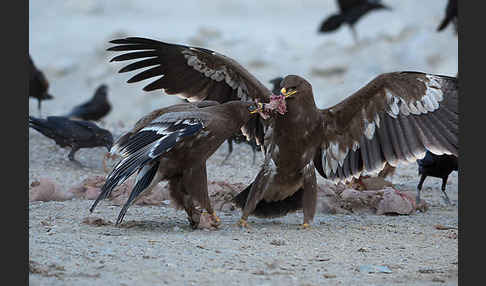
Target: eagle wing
point(394, 118)
point(143, 145)
point(192, 73)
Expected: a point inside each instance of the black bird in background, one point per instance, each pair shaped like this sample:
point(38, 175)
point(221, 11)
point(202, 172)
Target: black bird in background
point(350, 12)
point(240, 138)
point(450, 15)
point(38, 84)
point(76, 134)
point(276, 84)
point(94, 109)
point(438, 166)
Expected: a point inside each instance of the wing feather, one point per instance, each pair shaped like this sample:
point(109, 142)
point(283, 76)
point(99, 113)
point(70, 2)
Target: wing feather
point(146, 145)
point(394, 118)
point(198, 65)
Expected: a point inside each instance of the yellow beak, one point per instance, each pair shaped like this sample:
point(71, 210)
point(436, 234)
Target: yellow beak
point(289, 93)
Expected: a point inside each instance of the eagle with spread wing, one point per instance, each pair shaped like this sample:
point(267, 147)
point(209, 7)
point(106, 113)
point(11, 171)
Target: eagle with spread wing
point(173, 144)
point(394, 118)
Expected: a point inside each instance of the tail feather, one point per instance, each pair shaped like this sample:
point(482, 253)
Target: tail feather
point(271, 209)
point(41, 125)
point(144, 179)
point(138, 156)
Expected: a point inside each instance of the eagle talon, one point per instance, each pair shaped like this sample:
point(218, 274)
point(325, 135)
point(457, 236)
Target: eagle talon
point(243, 223)
point(305, 226)
point(215, 217)
point(207, 221)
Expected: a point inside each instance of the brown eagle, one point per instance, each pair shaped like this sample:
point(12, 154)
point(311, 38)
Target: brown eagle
point(173, 144)
point(392, 119)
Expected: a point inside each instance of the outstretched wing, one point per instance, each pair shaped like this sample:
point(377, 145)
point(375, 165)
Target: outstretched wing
point(394, 118)
point(193, 73)
point(146, 145)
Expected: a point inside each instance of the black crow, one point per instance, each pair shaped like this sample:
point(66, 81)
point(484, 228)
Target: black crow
point(94, 109)
point(38, 84)
point(450, 15)
point(438, 166)
point(350, 12)
point(72, 133)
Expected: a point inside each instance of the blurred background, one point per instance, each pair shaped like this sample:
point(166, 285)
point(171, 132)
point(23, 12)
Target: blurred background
point(68, 41)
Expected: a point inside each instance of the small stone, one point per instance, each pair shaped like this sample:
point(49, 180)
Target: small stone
point(374, 269)
point(278, 242)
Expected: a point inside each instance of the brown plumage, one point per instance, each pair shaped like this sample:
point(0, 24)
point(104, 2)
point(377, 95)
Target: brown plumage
point(240, 138)
point(194, 74)
point(392, 119)
point(356, 182)
point(173, 144)
point(38, 84)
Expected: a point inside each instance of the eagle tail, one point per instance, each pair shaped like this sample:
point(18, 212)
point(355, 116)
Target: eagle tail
point(272, 209)
point(144, 179)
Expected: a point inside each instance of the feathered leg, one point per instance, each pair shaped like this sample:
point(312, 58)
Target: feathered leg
point(256, 192)
point(310, 194)
point(196, 185)
point(184, 200)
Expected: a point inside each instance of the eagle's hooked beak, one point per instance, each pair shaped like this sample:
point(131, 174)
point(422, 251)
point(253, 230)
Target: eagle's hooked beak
point(289, 93)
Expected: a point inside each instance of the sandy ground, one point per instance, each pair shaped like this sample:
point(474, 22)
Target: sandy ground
point(156, 245)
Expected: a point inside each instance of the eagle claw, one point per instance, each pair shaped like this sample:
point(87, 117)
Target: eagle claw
point(208, 221)
point(243, 223)
point(305, 226)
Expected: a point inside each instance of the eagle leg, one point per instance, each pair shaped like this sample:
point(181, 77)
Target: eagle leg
point(256, 192)
point(310, 194)
point(243, 223)
point(195, 184)
point(213, 215)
